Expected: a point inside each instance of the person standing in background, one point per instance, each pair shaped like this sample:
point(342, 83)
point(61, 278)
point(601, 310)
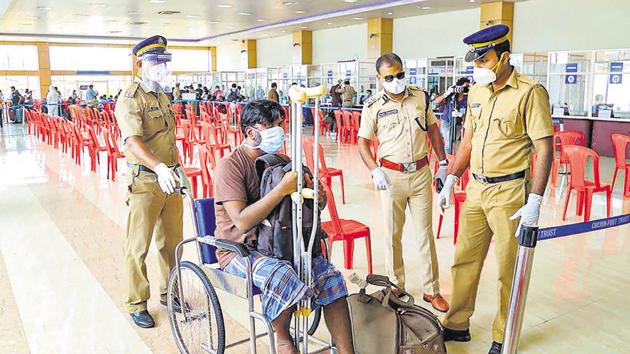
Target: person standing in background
point(177, 93)
point(90, 94)
point(52, 101)
point(273, 93)
point(347, 93)
point(335, 95)
point(454, 107)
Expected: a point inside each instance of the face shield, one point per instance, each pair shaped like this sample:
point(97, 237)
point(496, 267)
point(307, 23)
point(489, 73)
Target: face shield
point(155, 69)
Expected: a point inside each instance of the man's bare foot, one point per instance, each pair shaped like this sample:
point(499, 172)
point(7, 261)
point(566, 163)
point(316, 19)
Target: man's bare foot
point(286, 347)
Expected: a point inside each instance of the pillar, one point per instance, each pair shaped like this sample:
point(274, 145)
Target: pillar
point(43, 60)
point(380, 33)
point(497, 12)
point(248, 53)
point(213, 58)
point(302, 47)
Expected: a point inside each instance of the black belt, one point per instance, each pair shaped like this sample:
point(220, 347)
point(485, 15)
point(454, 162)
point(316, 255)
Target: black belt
point(146, 169)
point(490, 180)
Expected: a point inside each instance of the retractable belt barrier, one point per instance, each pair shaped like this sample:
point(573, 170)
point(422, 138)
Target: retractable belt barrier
point(520, 283)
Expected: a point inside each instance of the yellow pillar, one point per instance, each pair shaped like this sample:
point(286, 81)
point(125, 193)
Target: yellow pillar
point(248, 53)
point(213, 58)
point(43, 60)
point(302, 47)
point(380, 33)
point(497, 12)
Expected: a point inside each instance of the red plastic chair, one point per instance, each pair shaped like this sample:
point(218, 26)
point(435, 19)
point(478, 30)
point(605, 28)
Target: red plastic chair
point(561, 140)
point(347, 122)
point(356, 124)
point(346, 231)
point(95, 148)
point(194, 174)
point(620, 145)
point(577, 157)
point(342, 131)
point(113, 154)
point(206, 157)
point(459, 197)
point(324, 171)
point(324, 127)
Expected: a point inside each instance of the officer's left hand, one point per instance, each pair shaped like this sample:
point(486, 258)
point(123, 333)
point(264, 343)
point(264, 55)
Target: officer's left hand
point(440, 175)
point(529, 212)
point(183, 179)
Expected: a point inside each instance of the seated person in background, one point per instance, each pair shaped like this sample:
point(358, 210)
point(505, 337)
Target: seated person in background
point(239, 209)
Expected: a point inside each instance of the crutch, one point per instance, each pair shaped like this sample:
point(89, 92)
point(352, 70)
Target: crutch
point(302, 253)
point(520, 284)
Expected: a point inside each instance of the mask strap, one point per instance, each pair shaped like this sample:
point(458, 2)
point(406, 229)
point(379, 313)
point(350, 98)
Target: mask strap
point(498, 66)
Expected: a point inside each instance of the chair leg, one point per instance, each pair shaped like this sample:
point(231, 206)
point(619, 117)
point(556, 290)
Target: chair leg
point(368, 251)
point(343, 191)
point(608, 202)
point(579, 206)
point(566, 203)
point(588, 202)
point(348, 253)
point(554, 172)
point(194, 187)
point(612, 184)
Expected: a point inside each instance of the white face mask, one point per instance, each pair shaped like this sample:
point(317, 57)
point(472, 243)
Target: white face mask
point(483, 76)
point(396, 86)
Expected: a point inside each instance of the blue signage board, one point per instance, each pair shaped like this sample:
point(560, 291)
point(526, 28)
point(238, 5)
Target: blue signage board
point(412, 80)
point(616, 67)
point(469, 69)
point(570, 79)
point(572, 67)
point(616, 76)
point(413, 71)
point(348, 73)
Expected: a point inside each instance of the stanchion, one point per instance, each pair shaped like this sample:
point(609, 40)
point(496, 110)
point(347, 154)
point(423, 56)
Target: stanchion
point(520, 284)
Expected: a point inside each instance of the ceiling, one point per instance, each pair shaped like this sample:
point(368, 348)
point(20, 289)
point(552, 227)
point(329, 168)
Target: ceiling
point(208, 22)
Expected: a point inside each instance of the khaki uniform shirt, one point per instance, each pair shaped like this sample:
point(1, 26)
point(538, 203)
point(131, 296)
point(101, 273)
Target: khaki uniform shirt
point(147, 115)
point(347, 94)
point(504, 124)
point(400, 127)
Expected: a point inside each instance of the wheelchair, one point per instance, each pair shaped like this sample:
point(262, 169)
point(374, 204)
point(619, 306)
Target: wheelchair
point(194, 311)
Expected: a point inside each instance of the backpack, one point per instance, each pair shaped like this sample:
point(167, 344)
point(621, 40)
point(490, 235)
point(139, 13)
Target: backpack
point(275, 234)
point(385, 324)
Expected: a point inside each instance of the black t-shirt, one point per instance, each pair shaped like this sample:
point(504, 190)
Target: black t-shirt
point(15, 97)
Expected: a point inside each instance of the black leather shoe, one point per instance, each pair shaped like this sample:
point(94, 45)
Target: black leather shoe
point(457, 336)
point(495, 348)
point(177, 307)
point(142, 319)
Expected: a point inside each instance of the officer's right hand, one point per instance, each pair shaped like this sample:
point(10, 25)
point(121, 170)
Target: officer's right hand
point(167, 179)
point(380, 180)
point(444, 198)
point(288, 184)
point(448, 92)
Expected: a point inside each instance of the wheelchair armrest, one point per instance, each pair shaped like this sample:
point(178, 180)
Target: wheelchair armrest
point(235, 247)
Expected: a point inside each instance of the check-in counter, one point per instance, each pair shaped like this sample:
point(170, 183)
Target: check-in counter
point(596, 130)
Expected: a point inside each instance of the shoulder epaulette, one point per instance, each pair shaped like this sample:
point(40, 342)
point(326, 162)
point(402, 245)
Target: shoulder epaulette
point(131, 90)
point(370, 101)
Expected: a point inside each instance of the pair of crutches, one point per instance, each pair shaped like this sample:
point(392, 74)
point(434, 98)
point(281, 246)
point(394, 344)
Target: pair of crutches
point(302, 253)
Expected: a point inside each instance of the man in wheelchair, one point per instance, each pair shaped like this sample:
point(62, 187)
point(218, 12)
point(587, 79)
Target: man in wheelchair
point(239, 210)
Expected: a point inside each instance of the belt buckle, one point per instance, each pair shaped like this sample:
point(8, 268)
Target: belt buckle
point(484, 179)
point(410, 167)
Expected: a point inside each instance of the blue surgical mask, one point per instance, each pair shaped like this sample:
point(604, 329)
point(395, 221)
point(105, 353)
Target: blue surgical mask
point(271, 140)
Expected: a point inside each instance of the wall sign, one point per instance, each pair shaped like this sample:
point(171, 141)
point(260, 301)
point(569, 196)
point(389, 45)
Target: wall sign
point(616, 76)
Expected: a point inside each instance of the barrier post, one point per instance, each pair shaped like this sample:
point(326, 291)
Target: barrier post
point(520, 284)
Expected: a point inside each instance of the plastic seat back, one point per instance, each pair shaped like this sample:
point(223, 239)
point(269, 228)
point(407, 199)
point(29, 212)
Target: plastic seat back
point(206, 224)
point(307, 145)
point(620, 146)
point(332, 209)
point(567, 138)
point(577, 157)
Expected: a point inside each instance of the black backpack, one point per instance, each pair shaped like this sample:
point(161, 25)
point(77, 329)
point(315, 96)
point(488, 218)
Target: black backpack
point(275, 234)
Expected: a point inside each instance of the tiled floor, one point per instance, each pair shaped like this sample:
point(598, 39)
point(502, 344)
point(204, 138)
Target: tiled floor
point(61, 256)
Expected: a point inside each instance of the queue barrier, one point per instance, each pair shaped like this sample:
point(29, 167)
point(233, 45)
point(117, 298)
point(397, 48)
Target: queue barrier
point(527, 241)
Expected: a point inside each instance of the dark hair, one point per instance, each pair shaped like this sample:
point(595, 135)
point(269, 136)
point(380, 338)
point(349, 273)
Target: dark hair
point(502, 48)
point(293, 83)
point(462, 80)
point(91, 86)
point(234, 85)
point(388, 59)
point(347, 82)
point(238, 87)
point(260, 112)
point(274, 85)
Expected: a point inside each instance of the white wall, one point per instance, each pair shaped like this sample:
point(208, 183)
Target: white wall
point(434, 35)
point(229, 57)
point(543, 25)
point(274, 52)
point(343, 43)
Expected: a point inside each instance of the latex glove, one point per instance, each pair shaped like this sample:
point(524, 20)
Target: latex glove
point(448, 92)
point(529, 212)
point(167, 178)
point(185, 182)
point(380, 180)
point(440, 175)
point(444, 198)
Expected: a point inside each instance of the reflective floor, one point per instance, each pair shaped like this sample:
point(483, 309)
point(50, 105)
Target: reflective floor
point(61, 257)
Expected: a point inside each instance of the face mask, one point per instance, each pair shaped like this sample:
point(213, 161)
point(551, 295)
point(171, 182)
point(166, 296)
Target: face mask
point(396, 86)
point(152, 75)
point(271, 140)
point(484, 76)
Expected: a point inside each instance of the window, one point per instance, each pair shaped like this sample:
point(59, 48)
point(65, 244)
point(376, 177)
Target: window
point(90, 58)
point(21, 83)
point(18, 57)
point(190, 60)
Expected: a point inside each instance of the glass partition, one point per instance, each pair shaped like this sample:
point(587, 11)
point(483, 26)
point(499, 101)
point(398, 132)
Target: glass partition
point(440, 74)
point(533, 65)
point(416, 72)
point(611, 84)
point(568, 83)
point(108, 85)
point(21, 83)
point(18, 57)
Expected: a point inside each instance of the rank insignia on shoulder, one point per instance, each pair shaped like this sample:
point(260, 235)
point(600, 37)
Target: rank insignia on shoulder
point(131, 91)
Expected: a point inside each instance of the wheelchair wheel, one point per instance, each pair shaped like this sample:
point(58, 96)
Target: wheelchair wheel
point(198, 327)
point(318, 313)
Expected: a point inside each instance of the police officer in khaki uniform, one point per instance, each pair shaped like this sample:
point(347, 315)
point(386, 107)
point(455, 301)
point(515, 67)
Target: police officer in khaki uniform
point(400, 118)
point(508, 116)
point(147, 126)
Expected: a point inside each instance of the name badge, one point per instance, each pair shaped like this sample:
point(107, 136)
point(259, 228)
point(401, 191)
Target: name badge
point(387, 113)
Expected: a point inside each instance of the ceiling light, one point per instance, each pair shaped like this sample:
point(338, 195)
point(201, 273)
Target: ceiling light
point(26, 24)
point(300, 12)
point(260, 20)
point(82, 15)
point(213, 22)
point(329, 23)
point(157, 1)
point(289, 3)
point(283, 31)
point(224, 6)
point(168, 12)
point(132, 13)
point(244, 14)
point(350, 1)
point(192, 16)
point(98, 4)
point(471, 0)
point(390, 13)
point(45, 8)
point(137, 23)
point(358, 18)
point(303, 27)
point(426, 7)
point(114, 32)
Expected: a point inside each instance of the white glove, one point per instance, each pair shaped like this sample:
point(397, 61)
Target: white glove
point(444, 198)
point(380, 180)
point(440, 175)
point(185, 182)
point(529, 212)
point(167, 179)
point(448, 92)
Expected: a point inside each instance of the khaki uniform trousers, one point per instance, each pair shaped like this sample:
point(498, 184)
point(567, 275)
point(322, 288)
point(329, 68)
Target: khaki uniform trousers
point(151, 213)
point(485, 213)
point(411, 189)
